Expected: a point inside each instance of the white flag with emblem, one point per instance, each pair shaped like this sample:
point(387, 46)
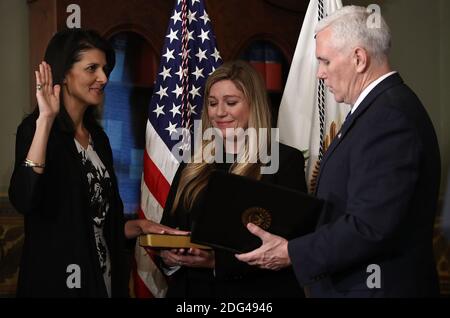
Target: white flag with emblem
point(309, 117)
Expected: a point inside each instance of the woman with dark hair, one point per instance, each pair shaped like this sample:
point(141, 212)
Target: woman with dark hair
point(64, 182)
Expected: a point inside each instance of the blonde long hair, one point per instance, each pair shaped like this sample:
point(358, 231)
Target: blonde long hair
point(194, 177)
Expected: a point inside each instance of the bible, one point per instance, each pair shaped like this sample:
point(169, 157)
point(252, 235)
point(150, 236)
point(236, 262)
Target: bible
point(168, 241)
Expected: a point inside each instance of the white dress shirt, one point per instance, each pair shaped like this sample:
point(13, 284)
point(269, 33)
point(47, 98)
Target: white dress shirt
point(368, 89)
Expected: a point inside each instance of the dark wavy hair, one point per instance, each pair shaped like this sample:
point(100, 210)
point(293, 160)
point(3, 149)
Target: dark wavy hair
point(64, 50)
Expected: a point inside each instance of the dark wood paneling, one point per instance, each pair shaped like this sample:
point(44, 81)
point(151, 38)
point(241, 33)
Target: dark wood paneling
point(236, 23)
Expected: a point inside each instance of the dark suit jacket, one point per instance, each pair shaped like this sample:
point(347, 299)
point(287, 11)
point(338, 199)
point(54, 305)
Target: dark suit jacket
point(233, 278)
point(380, 179)
point(58, 222)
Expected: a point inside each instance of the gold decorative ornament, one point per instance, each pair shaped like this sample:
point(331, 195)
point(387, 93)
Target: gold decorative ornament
point(258, 216)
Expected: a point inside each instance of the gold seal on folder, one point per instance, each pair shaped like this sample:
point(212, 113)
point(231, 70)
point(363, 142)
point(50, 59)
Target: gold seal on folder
point(258, 216)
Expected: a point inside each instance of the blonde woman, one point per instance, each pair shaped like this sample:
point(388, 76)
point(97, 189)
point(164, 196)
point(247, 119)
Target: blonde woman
point(234, 99)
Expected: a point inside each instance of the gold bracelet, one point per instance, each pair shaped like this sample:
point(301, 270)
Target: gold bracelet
point(32, 164)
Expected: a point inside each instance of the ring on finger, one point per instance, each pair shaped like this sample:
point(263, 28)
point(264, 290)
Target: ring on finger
point(39, 87)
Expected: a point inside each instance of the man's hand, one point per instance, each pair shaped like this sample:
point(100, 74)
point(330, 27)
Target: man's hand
point(272, 254)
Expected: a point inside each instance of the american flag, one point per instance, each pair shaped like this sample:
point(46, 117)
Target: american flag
point(189, 55)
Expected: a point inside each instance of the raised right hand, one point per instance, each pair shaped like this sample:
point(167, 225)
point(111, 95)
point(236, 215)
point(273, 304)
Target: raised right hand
point(47, 95)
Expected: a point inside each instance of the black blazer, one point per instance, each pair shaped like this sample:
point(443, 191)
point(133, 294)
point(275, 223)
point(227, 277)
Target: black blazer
point(380, 178)
point(58, 224)
point(231, 277)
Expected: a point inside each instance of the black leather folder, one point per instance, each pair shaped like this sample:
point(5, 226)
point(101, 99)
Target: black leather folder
point(231, 201)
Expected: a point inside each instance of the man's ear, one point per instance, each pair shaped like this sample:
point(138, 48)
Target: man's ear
point(361, 59)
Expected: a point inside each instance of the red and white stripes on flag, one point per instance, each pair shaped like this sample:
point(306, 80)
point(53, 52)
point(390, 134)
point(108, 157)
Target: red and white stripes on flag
point(309, 117)
point(189, 55)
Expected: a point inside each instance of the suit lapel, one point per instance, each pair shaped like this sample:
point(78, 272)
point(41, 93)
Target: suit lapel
point(387, 83)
